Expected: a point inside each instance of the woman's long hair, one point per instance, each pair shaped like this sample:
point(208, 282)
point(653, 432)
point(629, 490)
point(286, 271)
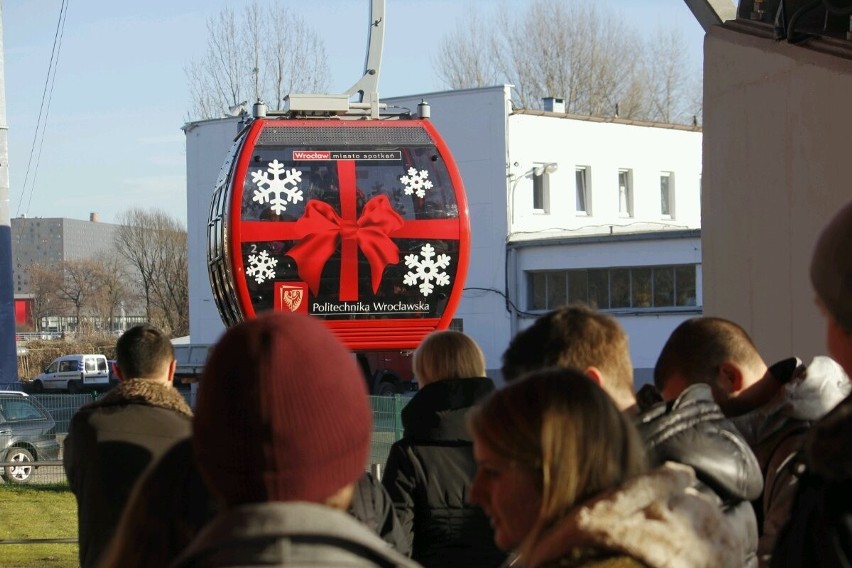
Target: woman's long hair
point(562, 425)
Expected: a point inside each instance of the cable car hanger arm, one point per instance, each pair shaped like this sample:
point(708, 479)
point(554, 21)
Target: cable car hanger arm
point(366, 87)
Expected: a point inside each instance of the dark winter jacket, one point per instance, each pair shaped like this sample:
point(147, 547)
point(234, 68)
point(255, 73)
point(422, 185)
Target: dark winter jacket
point(110, 443)
point(819, 533)
point(776, 432)
point(372, 505)
point(428, 476)
point(288, 534)
point(692, 430)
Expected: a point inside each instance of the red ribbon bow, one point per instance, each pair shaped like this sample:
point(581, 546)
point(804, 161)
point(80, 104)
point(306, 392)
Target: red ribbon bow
point(322, 228)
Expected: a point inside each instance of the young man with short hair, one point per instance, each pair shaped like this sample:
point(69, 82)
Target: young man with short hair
point(579, 337)
point(773, 407)
point(113, 440)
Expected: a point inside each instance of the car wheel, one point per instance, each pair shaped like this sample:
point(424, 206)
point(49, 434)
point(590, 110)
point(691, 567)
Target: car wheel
point(19, 473)
point(38, 386)
point(74, 387)
point(386, 389)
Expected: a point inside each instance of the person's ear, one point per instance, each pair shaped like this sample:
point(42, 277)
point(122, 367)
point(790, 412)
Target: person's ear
point(730, 377)
point(172, 367)
point(120, 374)
point(672, 387)
point(594, 374)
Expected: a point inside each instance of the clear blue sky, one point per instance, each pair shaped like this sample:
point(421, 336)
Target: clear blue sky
point(113, 136)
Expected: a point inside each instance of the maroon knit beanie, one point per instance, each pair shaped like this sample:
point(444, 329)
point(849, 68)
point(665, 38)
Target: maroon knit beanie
point(282, 413)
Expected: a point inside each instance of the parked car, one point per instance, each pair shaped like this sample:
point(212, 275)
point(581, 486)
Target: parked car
point(74, 373)
point(27, 434)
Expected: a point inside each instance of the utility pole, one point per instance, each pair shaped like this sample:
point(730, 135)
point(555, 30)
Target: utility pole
point(8, 351)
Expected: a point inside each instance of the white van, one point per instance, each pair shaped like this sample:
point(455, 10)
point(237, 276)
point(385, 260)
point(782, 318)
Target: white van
point(74, 373)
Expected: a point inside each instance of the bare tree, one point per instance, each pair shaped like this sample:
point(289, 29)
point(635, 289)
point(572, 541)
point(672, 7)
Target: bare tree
point(295, 58)
point(577, 51)
point(253, 40)
point(671, 94)
point(206, 101)
point(113, 290)
point(468, 56)
point(44, 281)
point(154, 244)
point(79, 286)
point(133, 241)
point(255, 55)
point(172, 288)
point(225, 57)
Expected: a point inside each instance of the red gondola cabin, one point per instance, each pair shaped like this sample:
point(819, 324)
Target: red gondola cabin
point(362, 223)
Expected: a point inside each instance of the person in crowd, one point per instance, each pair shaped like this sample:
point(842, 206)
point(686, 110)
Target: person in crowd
point(819, 533)
point(773, 407)
point(166, 510)
point(428, 471)
point(171, 504)
point(113, 440)
point(562, 474)
point(373, 506)
point(691, 430)
point(576, 336)
point(281, 436)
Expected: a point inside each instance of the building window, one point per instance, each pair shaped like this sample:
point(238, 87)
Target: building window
point(625, 193)
point(541, 185)
point(582, 176)
point(547, 288)
point(667, 195)
point(651, 288)
point(539, 190)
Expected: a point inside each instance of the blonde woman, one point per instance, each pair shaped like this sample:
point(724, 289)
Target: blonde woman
point(561, 473)
point(428, 472)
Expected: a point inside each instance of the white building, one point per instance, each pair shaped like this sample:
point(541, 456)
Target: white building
point(562, 208)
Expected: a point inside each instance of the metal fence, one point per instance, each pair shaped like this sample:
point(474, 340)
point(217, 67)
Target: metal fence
point(387, 428)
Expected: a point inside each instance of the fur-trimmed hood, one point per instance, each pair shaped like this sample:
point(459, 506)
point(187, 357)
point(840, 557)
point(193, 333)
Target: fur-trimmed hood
point(656, 519)
point(144, 391)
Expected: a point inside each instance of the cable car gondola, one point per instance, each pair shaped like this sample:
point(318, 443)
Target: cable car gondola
point(351, 215)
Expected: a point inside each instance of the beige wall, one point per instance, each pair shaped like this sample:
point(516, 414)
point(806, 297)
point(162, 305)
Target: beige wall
point(777, 162)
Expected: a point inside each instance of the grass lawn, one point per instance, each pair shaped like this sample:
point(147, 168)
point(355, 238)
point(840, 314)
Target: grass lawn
point(37, 511)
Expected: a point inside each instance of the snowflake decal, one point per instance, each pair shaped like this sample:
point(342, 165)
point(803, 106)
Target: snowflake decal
point(416, 182)
point(260, 266)
point(427, 269)
point(281, 184)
